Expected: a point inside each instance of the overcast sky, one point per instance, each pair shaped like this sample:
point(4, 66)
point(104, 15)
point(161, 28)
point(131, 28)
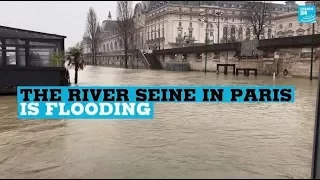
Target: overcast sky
point(66, 18)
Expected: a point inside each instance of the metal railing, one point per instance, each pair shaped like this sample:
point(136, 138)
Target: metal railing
point(294, 41)
point(144, 59)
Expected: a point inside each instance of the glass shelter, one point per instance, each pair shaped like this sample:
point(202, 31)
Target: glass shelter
point(25, 59)
point(24, 48)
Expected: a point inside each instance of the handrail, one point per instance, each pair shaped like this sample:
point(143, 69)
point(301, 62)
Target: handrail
point(144, 59)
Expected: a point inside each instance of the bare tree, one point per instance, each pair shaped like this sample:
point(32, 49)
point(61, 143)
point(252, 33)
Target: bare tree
point(97, 41)
point(125, 25)
point(133, 44)
point(93, 33)
point(257, 14)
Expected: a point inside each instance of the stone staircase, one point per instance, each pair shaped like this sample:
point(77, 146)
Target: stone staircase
point(149, 60)
point(153, 61)
point(143, 58)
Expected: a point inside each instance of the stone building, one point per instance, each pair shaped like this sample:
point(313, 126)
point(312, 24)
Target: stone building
point(170, 24)
point(109, 38)
point(287, 25)
point(111, 50)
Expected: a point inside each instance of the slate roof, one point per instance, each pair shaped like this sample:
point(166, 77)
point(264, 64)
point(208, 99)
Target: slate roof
point(10, 32)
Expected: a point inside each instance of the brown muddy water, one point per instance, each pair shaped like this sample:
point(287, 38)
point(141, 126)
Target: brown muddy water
point(183, 141)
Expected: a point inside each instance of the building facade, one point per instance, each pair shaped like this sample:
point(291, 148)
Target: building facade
point(172, 24)
point(169, 24)
point(110, 51)
point(287, 25)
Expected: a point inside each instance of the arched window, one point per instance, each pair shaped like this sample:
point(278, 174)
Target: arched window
point(248, 34)
point(269, 33)
point(233, 31)
point(111, 46)
point(240, 33)
point(116, 45)
point(108, 47)
point(190, 34)
point(262, 34)
point(225, 33)
point(104, 48)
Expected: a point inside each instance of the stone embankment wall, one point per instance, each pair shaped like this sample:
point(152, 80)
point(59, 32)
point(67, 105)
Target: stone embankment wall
point(116, 61)
point(295, 60)
point(176, 66)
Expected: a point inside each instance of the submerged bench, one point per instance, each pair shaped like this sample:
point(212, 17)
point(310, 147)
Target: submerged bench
point(246, 71)
point(226, 68)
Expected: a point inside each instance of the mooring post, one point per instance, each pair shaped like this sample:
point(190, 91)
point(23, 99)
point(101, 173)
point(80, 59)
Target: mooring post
point(234, 69)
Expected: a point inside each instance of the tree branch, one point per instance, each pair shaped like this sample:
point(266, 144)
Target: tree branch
point(257, 14)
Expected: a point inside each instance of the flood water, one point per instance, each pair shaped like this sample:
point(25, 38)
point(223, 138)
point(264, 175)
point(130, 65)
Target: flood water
point(183, 141)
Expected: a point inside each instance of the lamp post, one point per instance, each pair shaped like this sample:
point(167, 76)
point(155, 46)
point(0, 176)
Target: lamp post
point(219, 15)
point(205, 64)
point(206, 43)
point(206, 40)
point(312, 46)
point(316, 137)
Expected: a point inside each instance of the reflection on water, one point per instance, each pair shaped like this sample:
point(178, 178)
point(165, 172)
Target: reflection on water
point(184, 140)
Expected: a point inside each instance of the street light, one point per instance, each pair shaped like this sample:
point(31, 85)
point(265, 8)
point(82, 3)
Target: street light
point(219, 15)
point(312, 46)
point(206, 41)
point(315, 154)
